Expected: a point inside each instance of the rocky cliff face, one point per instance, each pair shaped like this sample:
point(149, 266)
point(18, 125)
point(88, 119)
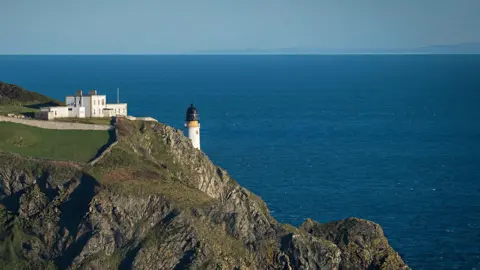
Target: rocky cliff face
point(155, 202)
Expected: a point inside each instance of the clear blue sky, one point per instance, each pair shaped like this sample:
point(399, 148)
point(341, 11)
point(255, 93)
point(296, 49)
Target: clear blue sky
point(157, 27)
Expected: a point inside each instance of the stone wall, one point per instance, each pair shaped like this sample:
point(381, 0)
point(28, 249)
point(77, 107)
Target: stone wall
point(55, 125)
point(149, 119)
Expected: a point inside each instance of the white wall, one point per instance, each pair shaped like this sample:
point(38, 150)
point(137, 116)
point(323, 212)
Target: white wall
point(61, 112)
point(86, 104)
point(98, 103)
point(194, 135)
point(76, 112)
point(55, 112)
point(118, 109)
point(94, 104)
point(72, 101)
point(44, 115)
point(108, 113)
point(79, 101)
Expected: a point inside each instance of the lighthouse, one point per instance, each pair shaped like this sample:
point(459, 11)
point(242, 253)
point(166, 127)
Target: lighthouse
point(192, 124)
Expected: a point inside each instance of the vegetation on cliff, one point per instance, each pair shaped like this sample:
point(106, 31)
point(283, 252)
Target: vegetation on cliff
point(155, 202)
point(151, 202)
point(11, 94)
point(14, 99)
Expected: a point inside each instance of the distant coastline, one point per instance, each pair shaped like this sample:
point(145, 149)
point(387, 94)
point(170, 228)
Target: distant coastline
point(464, 48)
point(453, 49)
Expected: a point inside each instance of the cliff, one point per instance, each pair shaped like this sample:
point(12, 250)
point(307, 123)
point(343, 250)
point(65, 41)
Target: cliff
point(155, 202)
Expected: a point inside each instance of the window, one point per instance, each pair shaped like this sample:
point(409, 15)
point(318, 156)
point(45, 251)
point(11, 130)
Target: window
point(93, 111)
point(103, 101)
point(123, 110)
point(69, 109)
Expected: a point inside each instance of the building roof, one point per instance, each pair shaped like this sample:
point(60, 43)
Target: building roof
point(115, 104)
point(87, 95)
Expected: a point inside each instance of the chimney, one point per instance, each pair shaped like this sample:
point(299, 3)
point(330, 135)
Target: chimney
point(79, 93)
point(92, 92)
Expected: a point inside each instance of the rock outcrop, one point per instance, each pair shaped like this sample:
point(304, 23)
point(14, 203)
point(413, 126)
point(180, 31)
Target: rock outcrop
point(361, 242)
point(155, 202)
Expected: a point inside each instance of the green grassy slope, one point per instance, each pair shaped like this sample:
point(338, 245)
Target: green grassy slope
point(11, 94)
point(14, 99)
point(16, 109)
point(72, 145)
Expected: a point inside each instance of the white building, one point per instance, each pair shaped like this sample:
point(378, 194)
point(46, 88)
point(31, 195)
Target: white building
point(82, 106)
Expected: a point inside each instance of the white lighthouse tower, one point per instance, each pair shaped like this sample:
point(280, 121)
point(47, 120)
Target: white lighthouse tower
point(192, 124)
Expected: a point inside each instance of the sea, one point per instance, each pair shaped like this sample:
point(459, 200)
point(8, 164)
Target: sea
point(390, 138)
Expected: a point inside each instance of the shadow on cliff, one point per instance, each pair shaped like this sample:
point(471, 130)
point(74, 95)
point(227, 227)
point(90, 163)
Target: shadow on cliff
point(72, 213)
point(45, 187)
point(38, 106)
point(112, 137)
point(12, 202)
point(186, 261)
point(127, 262)
point(45, 104)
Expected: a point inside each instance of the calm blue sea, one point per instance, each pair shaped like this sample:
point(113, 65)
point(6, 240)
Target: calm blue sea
point(393, 139)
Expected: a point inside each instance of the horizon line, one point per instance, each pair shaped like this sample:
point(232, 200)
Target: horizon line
point(234, 54)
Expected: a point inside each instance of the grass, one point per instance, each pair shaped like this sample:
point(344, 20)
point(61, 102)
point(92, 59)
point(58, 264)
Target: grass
point(71, 145)
point(182, 195)
point(98, 121)
point(16, 109)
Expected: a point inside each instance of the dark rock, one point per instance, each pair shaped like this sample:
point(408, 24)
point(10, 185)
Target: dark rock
point(362, 243)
